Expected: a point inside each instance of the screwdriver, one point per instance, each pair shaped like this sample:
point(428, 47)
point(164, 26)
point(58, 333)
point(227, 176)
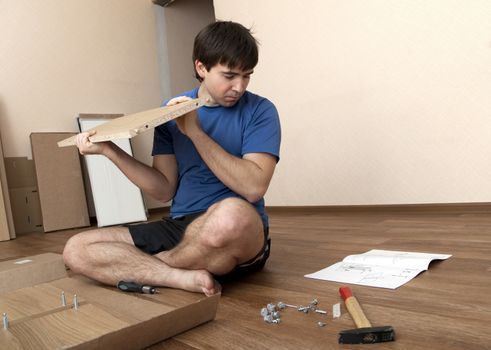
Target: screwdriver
point(136, 288)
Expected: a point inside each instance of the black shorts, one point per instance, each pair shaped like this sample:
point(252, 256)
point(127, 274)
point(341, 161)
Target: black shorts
point(157, 236)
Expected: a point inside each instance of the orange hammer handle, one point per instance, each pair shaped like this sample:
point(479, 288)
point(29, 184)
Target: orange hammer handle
point(354, 308)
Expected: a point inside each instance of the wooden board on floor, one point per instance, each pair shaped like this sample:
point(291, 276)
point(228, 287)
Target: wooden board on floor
point(106, 318)
point(60, 183)
point(134, 124)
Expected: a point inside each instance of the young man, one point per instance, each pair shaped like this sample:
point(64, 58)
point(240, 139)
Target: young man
point(215, 164)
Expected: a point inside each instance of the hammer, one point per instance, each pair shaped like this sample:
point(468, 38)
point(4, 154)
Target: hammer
point(365, 333)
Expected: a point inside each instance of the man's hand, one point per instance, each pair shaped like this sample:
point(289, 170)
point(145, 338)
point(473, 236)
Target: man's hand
point(188, 123)
point(86, 147)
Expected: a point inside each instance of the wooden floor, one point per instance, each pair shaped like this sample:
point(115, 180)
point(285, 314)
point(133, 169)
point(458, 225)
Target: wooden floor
point(446, 307)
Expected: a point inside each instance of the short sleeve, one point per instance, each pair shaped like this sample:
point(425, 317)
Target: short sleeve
point(263, 133)
point(162, 141)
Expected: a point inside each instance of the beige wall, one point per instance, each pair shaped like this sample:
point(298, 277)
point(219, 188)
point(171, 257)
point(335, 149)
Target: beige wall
point(183, 20)
point(381, 102)
point(60, 58)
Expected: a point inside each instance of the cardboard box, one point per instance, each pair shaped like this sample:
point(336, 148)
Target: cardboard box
point(60, 183)
point(6, 220)
point(24, 196)
point(20, 172)
point(26, 209)
point(106, 318)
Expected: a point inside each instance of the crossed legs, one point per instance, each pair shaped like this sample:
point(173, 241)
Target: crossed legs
point(229, 233)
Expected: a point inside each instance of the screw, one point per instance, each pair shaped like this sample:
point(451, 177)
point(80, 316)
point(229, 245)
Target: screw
point(321, 324)
point(277, 320)
point(271, 307)
point(75, 302)
point(313, 304)
point(5, 321)
point(282, 305)
point(63, 298)
point(304, 309)
point(321, 312)
point(264, 312)
point(276, 314)
point(268, 318)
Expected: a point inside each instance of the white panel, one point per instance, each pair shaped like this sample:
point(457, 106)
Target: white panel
point(116, 199)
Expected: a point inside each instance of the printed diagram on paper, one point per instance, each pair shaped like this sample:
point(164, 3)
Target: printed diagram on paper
point(378, 268)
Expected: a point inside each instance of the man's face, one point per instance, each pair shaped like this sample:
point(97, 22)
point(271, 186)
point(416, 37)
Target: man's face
point(225, 85)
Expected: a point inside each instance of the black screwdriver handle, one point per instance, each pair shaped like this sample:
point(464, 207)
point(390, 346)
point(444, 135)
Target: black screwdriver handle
point(135, 287)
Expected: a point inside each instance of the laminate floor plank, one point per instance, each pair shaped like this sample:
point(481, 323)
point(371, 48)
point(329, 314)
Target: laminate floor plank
point(446, 307)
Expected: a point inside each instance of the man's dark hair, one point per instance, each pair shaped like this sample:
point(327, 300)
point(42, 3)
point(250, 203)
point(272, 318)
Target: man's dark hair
point(227, 43)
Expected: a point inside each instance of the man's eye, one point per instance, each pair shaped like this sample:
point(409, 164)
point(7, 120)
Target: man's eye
point(229, 77)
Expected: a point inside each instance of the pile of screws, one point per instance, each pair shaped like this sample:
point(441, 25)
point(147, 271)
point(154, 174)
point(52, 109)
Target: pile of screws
point(271, 313)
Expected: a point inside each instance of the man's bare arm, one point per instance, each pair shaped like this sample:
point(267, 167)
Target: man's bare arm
point(159, 180)
point(248, 176)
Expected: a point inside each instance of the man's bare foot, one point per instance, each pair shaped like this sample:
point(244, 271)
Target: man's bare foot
point(206, 283)
point(195, 281)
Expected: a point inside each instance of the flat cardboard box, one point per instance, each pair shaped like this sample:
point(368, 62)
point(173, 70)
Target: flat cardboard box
point(20, 172)
point(24, 197)
point(106, 318)
point(26, 209)
point(60, 183)
point(7, 230)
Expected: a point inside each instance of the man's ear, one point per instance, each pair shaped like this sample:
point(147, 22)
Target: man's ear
point(200, 68)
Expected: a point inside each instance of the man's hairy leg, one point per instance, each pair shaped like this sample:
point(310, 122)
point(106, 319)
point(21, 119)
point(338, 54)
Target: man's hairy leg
point(228, 234)
point(109, 256)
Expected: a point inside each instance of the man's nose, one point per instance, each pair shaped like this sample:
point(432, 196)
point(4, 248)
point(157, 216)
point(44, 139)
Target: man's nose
point(240, 85)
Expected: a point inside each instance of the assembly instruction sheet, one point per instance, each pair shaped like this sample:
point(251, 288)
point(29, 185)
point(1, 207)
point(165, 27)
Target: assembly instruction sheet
point(378, 268)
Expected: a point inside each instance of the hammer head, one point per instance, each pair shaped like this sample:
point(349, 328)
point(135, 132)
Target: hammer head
point(367, 335)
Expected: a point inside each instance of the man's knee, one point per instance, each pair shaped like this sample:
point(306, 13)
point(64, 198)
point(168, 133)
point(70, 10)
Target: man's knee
point(72, 251)
point(233, 220)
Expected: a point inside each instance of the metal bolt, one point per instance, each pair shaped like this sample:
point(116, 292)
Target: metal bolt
point(271, 307)
point(276, 314)
point(63, 298)
point(322, 312)
point(277, 320)
point(264, 312)
point(314, 302)
point(304, 309)
point(75, 302)
point(282, 305)
point(268, 318)
point(5, 321)
point(321, 324)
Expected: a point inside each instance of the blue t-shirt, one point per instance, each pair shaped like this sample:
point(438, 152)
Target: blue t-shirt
point(250, 126)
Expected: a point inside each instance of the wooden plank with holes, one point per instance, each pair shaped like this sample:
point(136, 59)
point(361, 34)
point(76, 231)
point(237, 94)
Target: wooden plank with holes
point(134, 124)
